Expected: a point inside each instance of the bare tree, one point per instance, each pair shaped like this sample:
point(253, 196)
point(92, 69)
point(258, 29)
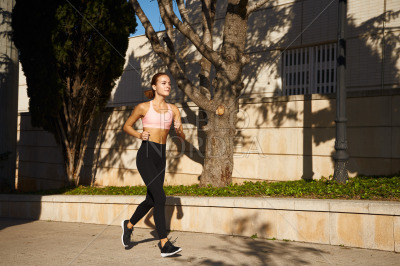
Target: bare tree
point(222, 105)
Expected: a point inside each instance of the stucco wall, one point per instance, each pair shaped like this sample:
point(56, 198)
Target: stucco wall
point(279, 138)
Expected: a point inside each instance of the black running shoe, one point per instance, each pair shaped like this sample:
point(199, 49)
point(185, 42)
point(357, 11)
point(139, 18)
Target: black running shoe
point(126, 233)
point(169, 249)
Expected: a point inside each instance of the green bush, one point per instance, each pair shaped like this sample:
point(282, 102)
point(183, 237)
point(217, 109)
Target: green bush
point(372, 188)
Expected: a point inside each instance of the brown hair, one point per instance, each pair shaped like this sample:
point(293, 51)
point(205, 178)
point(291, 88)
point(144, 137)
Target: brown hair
point(151, 93)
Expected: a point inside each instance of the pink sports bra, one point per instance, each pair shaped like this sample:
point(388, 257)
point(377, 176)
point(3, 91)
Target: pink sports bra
point(156, 120)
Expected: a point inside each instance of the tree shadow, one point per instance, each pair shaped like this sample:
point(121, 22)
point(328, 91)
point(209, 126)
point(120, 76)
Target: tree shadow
point(263, 75)
point(262, 251)
point(258, 250)
point(173, 210)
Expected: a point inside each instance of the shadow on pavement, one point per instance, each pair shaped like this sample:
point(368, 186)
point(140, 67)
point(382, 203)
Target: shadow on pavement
point(260, 250)
point(9, 222)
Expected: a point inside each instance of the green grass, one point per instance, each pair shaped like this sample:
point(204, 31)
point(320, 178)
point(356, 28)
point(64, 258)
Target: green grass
point(371, 188)
point(254, 236)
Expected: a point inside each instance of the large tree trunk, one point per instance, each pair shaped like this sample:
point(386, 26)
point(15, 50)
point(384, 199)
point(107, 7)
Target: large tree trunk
point(218, 161)
point(221, 127)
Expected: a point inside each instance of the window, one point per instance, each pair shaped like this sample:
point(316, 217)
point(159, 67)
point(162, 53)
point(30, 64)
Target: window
point(309, 70)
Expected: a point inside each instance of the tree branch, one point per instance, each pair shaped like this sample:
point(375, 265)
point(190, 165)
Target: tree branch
point(189, 33)
point(63, 136)
point(67, 118)
point(149, 30)
point(63, 141)
point(256, 6)
point(83, 145)
point(79, 115)
point(167, 22)
point(208, 18)
point(183, 11)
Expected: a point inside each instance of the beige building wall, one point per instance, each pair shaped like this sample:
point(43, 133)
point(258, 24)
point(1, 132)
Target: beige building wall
point(281, 138)
point(278, 138)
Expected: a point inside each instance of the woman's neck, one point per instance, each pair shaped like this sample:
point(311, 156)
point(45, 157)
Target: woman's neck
point(159, 100)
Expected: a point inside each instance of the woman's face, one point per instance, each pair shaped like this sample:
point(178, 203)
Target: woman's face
point(163, 86)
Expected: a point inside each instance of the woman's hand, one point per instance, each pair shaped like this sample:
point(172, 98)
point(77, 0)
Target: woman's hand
point(145, 135)
point(177, 126)
point(177, 122)
point(179, 129)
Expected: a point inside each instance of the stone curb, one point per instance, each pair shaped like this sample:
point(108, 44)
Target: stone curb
point(293, 204)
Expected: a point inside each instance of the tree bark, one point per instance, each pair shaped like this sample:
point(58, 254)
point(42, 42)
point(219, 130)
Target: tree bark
point(218, 162)
point(221, 128)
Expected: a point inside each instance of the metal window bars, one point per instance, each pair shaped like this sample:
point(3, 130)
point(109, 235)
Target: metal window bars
point(309, 70)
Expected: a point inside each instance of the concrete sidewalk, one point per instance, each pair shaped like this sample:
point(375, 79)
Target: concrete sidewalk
point(25, 242)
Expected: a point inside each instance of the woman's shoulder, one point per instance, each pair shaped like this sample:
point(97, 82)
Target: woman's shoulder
point(143, 107)
point(173, 107)
point(144, 104)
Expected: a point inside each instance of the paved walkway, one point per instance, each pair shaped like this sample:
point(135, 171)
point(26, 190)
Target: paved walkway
point(24, 242)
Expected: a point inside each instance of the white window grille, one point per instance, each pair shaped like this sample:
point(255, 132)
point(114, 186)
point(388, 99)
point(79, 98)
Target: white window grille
point(309, 70)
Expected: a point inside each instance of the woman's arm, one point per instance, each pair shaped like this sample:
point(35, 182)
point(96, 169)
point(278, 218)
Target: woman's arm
point(137, 113)
point(177, 122)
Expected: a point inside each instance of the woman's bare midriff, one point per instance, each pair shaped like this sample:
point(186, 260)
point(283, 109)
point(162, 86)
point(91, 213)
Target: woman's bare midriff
point(157, 135)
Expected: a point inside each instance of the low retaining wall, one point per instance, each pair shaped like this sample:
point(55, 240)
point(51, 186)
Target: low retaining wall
point(364, 224)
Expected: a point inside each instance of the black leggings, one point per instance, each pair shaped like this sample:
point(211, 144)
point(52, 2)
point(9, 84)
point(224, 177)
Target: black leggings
point(150, 162)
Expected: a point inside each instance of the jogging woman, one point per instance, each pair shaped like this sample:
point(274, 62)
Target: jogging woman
point(157, 117)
